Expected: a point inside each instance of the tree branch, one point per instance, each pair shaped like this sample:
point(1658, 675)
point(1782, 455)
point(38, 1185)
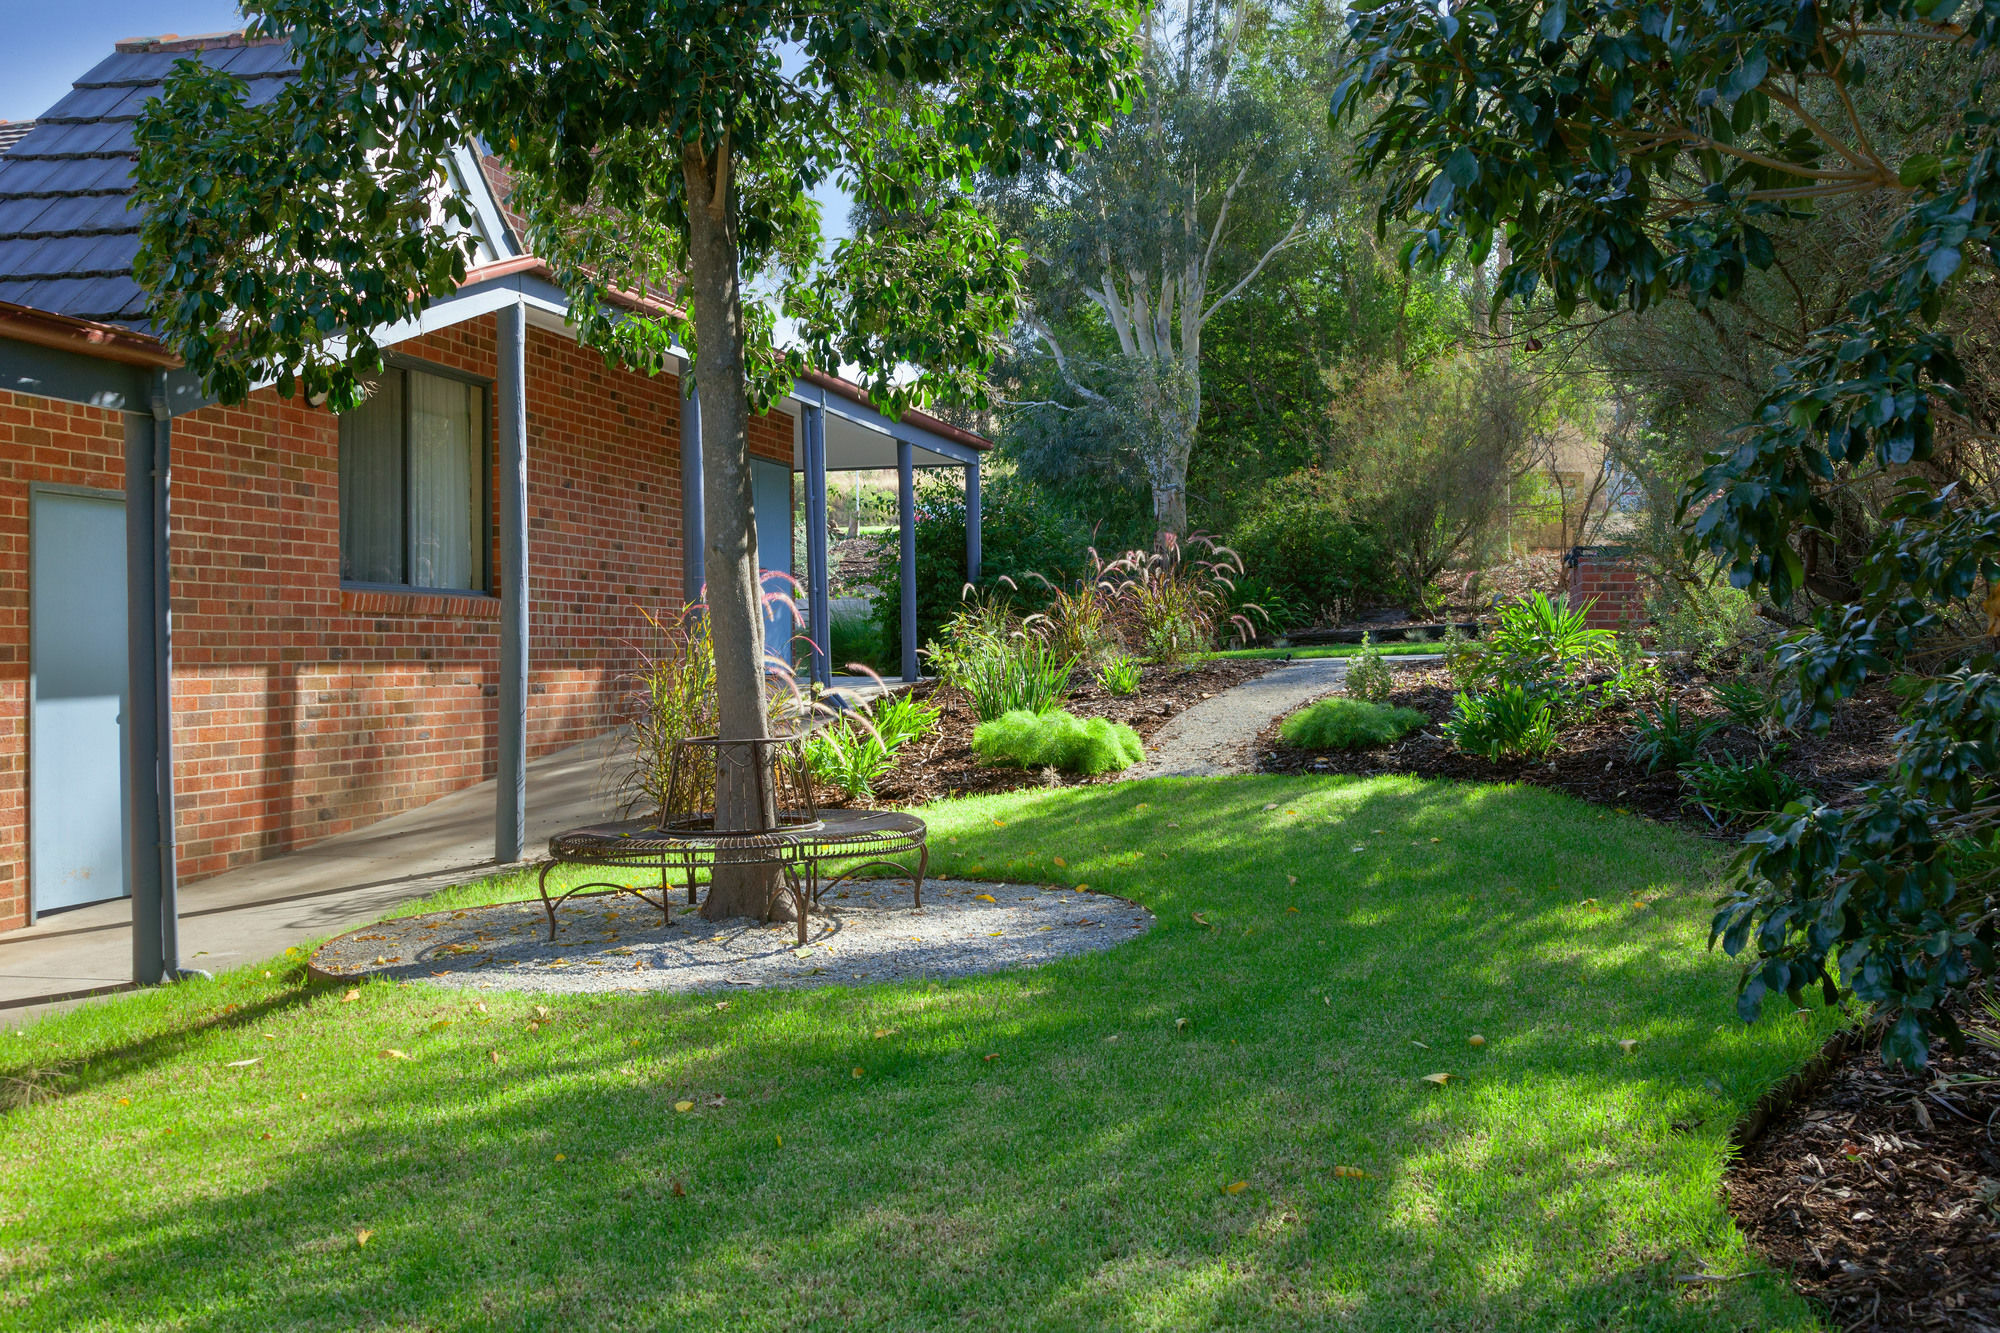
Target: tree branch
point(1285, 242)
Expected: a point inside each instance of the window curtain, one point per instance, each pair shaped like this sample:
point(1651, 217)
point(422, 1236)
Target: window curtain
point(444, 483)
point(371, 486)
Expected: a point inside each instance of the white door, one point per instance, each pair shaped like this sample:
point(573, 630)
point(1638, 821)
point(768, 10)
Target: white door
point(771, 492)
point(76, 692)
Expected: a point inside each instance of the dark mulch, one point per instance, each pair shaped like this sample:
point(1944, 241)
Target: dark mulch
point(1594, 763)
point(1880, 1191)
point(944, 765)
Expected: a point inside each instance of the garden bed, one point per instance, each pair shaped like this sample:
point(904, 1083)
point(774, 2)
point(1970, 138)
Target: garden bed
point(943, 764)
point(1871, 1190)
point(1594, 762)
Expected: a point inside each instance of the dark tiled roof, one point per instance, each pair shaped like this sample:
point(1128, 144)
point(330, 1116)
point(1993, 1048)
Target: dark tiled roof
point(67, 238)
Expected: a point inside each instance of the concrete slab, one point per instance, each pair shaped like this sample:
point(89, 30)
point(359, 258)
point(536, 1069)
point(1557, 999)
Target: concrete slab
point(259, 910)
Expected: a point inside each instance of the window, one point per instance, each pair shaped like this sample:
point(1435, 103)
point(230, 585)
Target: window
point(413, 484)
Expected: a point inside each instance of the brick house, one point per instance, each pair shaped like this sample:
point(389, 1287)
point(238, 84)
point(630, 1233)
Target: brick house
point(356, 614)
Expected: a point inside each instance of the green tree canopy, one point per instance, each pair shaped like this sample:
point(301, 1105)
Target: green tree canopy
point(663, 148)
point(1631, 153)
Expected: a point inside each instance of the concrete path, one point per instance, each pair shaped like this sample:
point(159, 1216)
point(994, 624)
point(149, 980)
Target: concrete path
point(1215, 736)
point(259, 910)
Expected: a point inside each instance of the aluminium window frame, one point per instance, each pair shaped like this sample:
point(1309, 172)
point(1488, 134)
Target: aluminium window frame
point(403, 364)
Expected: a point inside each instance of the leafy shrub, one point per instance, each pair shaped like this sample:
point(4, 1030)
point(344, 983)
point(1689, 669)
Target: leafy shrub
point(1462, 655)
point(852, 753)
point(1710, 626)
point(1729, 788)
point(1178, 598)
point(1368, 673)
point(1349, 724)
point(1022, 531)
point(1668, 738)
point(855, 638)
point(1077, 620)
point(1537, 642)
point(1508, 721)
point(1057, 740)
point(999, 668)
point(1304, 554)
point(1119, 675)
point(1744, 700)
point(1636, 676)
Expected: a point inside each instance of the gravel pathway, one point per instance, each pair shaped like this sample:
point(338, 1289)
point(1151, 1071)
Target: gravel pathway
point(868, 932)
point(1215, 736)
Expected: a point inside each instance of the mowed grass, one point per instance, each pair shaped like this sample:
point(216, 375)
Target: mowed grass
point(1223, 1124)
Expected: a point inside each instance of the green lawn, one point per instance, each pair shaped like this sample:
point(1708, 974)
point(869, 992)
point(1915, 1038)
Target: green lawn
point(1049, 1149)
point(1327, 650)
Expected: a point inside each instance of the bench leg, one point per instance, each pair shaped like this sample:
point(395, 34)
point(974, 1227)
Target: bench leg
point(543, 887)
point(666, 897)
point(923, 867)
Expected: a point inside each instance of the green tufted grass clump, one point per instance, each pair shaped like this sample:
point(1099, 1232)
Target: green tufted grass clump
point(1342, 723)
point(1058, 740)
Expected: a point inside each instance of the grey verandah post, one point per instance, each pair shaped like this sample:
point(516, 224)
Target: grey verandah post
point(510, 814)
point(819, 618)
point(906, 518)
point(972, 538)
point(693, 532)
point(151, 872)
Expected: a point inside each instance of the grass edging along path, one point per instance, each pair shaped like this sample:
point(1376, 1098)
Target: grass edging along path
point(1323, 650)
point(1224, 1123)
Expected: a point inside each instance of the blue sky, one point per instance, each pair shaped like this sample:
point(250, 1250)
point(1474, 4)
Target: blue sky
point(50, 43)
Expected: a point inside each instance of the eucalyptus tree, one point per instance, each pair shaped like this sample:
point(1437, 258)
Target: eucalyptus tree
point(662, 147)
point(1631, 153)
point(1178, 210)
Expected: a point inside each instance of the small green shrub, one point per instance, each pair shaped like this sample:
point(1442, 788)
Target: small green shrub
point(1368, 673)
point(1120, 675)
point(854, 752)
point(1744, 700)
point(1349, 724)
point(1057, 740)
point(997, 665)
point(1669, 737)
point(1729, 789)
point(1537, 642)
point(1506, 722)
point(855, 638)
point(1709, 626)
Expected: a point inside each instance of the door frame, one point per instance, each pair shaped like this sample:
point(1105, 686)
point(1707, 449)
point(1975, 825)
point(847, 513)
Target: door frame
point(35, 489)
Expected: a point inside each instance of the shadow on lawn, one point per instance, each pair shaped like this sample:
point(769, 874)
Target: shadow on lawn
point(1084, 1177)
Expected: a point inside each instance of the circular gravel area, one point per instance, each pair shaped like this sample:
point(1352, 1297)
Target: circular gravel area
point(866, 931)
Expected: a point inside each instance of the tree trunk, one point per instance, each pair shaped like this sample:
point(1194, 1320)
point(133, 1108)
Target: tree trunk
point(735, 613)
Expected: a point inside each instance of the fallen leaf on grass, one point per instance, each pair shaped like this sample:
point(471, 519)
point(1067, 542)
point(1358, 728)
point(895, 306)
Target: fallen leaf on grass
point(270, 1036)
point(350, 997)
point(245, 1064)
point(1439, 1079)
point(1059, 861)
point(721, 1005)
point(1272, 806)
point(680, 1190)
point(1475, 1040)
point(859, 1072)
point(361, 1236)
point(1291, 879)
point(393, 1054)
point(684, 1106)
point(493, 1057)
point(1180, 1025)
point(1415, 1042)
point(1236, 1187)
point(1349, 1173)
point(1200, 920)
point(542, 1012)
point(885, 1032)
point(1628, 1045)
point(992, 1056)
point(441, 1025)
point(562, 1157)
point(1291, 909)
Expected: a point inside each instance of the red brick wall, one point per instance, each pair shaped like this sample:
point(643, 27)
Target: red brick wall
point(1608, 580)
point(303, 709)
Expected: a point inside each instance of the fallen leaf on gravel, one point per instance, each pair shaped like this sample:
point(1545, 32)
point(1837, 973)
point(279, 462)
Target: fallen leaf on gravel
point(361, 1236)
point(393, 1054)
point(1236, 1187)
point(684, 1106)
point(985, 897)
point(803, 951)
point(350, 997)
point(1439, 1079)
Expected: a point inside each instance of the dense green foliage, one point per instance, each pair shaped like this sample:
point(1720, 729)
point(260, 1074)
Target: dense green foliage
point(853, 751)
point(1729, 788)
point(1668, 737)
point(1349, 724)
point(857, 641)
point(1506, 721)
point(1630, 158)
point(1299, 542)
point(1057, 740)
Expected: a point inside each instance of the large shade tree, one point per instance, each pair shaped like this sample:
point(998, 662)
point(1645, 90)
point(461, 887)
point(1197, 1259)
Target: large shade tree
point(660, 148)
point(1184, 204)
point(1634, 153)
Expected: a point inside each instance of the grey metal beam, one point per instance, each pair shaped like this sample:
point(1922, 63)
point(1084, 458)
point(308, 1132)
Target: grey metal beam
point(142, 754)
point(906, 518)
point(74, 377)
point(819, 620)
point(901, 431)
point(973, 542)
point(510, 815)
point(694, 527)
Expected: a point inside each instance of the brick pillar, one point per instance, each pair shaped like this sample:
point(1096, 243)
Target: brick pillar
point(1605, 579)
